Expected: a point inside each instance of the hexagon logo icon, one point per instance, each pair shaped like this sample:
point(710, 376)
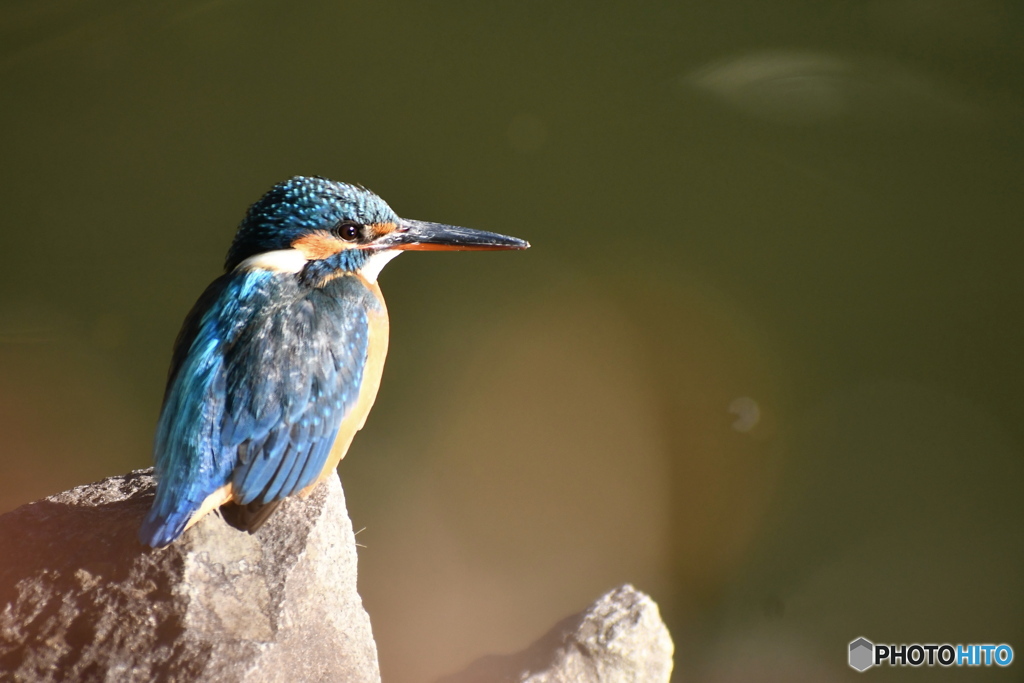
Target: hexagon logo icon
point(862, 654)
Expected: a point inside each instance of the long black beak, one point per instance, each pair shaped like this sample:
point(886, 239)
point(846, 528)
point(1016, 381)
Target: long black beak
point(423, 236)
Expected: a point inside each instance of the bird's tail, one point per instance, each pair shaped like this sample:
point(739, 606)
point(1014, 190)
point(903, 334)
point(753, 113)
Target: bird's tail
point(249, 517)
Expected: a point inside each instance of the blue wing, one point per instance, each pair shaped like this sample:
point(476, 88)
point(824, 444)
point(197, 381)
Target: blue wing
point(264, 372)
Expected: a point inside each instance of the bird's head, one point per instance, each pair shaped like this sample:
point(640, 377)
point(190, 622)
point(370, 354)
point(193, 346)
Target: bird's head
point(319, 227)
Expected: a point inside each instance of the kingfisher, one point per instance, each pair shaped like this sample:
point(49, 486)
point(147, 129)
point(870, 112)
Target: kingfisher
point(278, 363)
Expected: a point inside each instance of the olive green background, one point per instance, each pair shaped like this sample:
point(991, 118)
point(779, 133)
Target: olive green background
point(763, 359)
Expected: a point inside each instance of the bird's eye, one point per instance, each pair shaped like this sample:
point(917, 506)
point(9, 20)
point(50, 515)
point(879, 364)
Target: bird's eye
point(349, 231)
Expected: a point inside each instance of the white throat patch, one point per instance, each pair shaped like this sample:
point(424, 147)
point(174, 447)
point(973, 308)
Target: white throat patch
point(371, 269)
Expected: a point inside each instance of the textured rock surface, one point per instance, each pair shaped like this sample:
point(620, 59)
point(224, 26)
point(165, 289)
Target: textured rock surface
point(621, 637)
point(83, 600)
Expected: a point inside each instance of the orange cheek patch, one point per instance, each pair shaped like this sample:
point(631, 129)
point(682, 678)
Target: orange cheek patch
point(320, 244)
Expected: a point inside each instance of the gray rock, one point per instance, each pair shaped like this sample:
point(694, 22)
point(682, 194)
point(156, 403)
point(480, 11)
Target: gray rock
point(83, 600)
point(619, 638)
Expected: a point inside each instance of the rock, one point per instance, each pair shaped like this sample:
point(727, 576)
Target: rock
point(619, 638)
point(84, 600)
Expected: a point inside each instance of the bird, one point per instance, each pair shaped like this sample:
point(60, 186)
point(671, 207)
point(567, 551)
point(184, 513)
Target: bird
point(278, 363)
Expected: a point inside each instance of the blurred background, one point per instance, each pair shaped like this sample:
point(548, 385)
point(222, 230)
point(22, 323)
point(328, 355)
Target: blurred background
point(763, 360)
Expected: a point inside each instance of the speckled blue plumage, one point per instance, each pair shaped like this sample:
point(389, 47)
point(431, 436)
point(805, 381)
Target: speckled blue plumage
point(267, 364)
point(298, 205)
